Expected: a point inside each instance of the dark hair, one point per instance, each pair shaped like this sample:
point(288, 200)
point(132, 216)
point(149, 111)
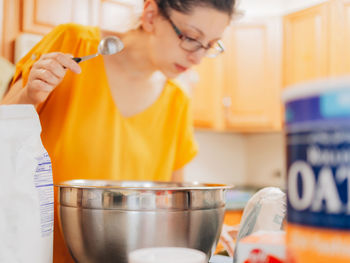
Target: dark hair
point(186, 6)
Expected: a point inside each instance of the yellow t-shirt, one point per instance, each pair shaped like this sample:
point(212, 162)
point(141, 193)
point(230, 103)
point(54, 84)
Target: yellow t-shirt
point(85, 134)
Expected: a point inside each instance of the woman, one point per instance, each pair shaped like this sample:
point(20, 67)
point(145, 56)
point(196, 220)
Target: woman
point(116, 120)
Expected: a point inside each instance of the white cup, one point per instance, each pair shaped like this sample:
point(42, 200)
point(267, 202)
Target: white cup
point(167, 255)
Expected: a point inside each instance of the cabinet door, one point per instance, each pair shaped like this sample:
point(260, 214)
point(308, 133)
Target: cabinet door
point(119, 15)
point(306, 44)
point(252, 79)
point(207, 94)
point(340, 37)
point(10, 27)
point(40, 16)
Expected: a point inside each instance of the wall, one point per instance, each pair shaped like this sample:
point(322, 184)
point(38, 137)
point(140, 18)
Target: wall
point(221, 159)
point(274, 7)
point(262, 7)
point(296, 5)
point(1, 21)
point(254, 159)
point(265, 159)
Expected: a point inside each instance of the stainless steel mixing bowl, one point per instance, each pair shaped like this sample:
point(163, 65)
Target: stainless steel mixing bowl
point(102, 221)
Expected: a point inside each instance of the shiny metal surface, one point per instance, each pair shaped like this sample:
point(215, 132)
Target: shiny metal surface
point(102, 221)
point(107, 46)
point(110, 45)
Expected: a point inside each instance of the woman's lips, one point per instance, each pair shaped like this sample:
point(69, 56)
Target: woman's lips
point(180, 68)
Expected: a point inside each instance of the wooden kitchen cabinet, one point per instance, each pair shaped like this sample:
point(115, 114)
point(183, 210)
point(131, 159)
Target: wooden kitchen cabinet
point(252, 76)
point(340, 37)
point(316, 42)
point(207, 94)
point(306, 44)
point(40, 16)
point(116, 15)
point(10, 27)
point(240, 90)
point(233, 217)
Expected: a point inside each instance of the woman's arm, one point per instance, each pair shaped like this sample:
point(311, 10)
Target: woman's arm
point(15, 95)
point(178, 176)
point(44, 76)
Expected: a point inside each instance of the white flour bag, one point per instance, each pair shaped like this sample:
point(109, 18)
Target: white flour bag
point(26, 188)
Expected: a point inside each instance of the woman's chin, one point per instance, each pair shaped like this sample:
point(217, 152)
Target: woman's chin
point(170, 74)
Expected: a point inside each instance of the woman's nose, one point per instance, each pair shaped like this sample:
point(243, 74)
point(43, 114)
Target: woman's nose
point(196, 56)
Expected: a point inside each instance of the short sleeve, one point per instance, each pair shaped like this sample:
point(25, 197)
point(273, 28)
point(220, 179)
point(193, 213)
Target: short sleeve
point(187, 147)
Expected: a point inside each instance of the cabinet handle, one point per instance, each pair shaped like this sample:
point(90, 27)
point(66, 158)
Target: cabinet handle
point(227, 101)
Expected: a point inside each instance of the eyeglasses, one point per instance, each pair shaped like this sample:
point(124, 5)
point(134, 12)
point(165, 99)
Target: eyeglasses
point(193, 45)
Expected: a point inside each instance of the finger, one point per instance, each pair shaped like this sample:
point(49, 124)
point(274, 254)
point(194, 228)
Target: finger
point(65, 60)
point(46, 76)
point(53, 66)
point(40, 85)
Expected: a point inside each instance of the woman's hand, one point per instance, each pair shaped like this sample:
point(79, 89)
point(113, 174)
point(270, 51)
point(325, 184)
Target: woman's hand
point(46, 74)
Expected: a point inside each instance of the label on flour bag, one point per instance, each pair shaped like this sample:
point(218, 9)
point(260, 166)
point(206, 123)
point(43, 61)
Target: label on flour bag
point(318, 172)
point(44, 185)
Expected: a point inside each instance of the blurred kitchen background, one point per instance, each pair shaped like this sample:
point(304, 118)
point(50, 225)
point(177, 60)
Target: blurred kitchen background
point(237, 107)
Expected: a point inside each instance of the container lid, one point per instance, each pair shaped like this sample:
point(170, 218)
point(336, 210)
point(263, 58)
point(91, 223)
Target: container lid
point(313, 88)
point(140, 185)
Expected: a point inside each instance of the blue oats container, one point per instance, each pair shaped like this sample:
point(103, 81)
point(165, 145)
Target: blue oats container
point(317, 125)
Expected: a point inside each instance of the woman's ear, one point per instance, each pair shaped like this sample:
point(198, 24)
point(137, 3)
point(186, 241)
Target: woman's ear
point(149, 15)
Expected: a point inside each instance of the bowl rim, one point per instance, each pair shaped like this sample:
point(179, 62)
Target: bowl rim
point(77, 183)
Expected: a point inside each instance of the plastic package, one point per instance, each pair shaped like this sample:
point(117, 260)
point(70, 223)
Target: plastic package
point(266, 210)
point(263, 247)
point(26, 188)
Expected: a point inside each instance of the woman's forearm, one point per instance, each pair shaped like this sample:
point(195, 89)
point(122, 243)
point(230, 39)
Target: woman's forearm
point(44, 76)
point(178, 176)
point(16, 95)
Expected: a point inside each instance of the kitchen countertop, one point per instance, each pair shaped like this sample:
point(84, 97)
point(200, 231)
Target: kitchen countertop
point(238, 197)
point(220, 259)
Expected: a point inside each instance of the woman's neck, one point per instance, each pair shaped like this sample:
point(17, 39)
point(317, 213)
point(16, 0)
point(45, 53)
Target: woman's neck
point(134, 60)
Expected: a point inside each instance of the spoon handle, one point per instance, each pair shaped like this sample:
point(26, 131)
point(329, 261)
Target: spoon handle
point(77, 59)
point(81, 59)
